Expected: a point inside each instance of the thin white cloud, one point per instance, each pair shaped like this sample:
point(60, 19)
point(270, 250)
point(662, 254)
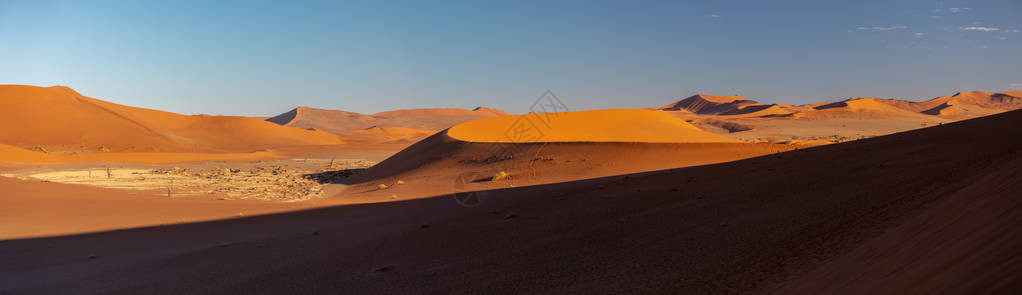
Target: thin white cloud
point(1002, 38)
point(1013, 31)
point(984, 29)
point(920, 34)
point(715, 15)
point(982, 46)
point(958, 9)
point(1015, 86)
point(887, 28)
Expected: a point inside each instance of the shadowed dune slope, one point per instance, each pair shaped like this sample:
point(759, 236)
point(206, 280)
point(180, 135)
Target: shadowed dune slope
point(336, 121)
point(618, 125)
point(432, 164)
point(929, 210)
point(61, 119)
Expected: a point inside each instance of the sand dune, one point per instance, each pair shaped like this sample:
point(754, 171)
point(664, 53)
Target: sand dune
point(856, 107)
point(575, 146)
point(378, 134)
point(62, 120)
point(829, 122)
point(980, 103)
point(710, 104)
point(620, 125)
point(12, 153)
point(592, 201)
point(960, 105)
point(443, 158)
point(341, 121)
point(929, 210)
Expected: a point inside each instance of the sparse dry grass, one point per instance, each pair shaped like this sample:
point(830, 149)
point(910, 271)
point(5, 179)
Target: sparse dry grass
point(39, 148)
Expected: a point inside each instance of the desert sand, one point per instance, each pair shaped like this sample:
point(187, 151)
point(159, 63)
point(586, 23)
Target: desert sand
point(62, 120)
point(712, 194)
point(376, 134)
point(621, 125)
point(829, 122)
point(337, 121)
point(884, 214)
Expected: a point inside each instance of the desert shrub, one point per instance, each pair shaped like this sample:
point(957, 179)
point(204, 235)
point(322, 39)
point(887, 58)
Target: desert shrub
point(735, 127)
point(381, 186)
point(731, 127)
point(104, 149)
point(40, 148)
point(500, 175)
point(400, 182)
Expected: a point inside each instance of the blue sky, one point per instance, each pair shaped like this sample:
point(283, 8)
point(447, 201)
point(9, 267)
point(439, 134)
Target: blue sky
point(264, 58)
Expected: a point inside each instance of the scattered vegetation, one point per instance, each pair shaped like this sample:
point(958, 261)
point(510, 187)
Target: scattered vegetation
point(39, 148)
point(731, 127)
point(400, 182)
point(381, 186)
point(500, 175)
point(104, 149)
point(735, 127)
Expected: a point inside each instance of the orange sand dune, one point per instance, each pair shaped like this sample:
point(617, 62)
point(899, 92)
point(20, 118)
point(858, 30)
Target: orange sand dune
point(933, 210)
point(860, 104)
point(16, 154)
point(341, 121)
point(961, 105)
point(377, 134)
point(966, 104)
point(575, 145)
point(61, 120)
point(619, 125)
point(710, 104)
point(850, 119)
point(763, 110)
point(857, 107)
point(973, 104)
point(442, 112)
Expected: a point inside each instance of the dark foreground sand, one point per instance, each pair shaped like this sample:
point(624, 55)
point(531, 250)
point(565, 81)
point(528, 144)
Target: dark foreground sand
point(928, 211)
